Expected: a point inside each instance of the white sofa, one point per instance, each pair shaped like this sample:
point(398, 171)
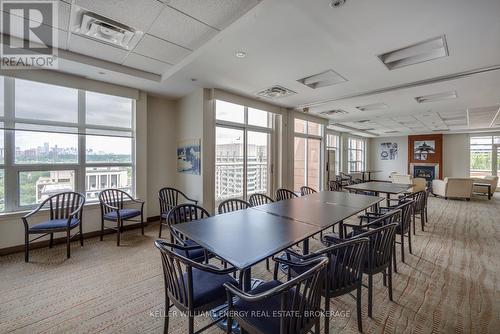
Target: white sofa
point(491, 180)
point(453, 187)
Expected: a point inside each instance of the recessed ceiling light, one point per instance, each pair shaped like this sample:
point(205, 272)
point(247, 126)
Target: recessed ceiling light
point(337, 3)
point(417, 53)
point(436, 97)
point(240, 54)
point(373, 106)
point(323, 79)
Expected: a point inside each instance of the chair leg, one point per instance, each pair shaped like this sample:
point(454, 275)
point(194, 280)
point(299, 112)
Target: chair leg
point(26, 247)
point(167, 310)
point(414, 220)
point(370, 294)
point(327, 310)
point(81, 234)
point(390, 282)
point(267, 263)
point(394, 258)
point(229, 328)
point(142, 223)
point(51, 241)
point(118, 231)
point(191, 324)
point(384, 279)
point(422, 220)
point(402, 247)
point(68, 242)
point(161, 225)
point(102, 228)
point(409, 242)
point(358, 307)
point(426, 217)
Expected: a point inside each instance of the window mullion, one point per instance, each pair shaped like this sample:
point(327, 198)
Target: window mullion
point(80, 172)
point(11, 190)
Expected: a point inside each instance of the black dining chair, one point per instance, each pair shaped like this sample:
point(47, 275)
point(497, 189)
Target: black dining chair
point(282, 194)
point(233, 204)
point(169, 198)
point(192, 287)
point(345, 271)
point(65, 214)
point(292, 307)
point(380, 253)
point(305, 190)
point(334, 185)
point(112, 202)
point(184, 213)
point(259, 199)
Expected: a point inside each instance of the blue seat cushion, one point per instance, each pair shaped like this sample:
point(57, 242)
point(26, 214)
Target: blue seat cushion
point(197, 255)
point(124, 214)
point(54, 224)
point(208, 288)
point(261, 315)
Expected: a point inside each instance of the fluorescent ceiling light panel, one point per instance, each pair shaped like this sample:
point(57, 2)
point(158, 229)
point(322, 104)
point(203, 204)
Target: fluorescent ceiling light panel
point(373, 106)
point(276, 92)
point(323, 79)
point(417, 53)
point(436, 97)
point(334, 112)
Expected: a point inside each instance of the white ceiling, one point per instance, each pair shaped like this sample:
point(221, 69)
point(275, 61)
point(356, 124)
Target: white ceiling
point(287, 40)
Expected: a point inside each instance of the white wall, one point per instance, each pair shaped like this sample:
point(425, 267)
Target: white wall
point(161, 149)
point(456, 155)
point(400, 165)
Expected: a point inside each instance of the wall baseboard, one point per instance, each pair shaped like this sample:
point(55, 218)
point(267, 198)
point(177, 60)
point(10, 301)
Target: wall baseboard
point(62, 240)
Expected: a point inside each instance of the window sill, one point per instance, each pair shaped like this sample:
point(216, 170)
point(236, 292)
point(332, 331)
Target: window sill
point(18, 214)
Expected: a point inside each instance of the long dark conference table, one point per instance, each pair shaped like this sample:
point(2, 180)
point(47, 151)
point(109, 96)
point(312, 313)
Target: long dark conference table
point(387, 188)
point(246, 237)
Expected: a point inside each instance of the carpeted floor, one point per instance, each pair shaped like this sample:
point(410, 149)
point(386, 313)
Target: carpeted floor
point(449, 284)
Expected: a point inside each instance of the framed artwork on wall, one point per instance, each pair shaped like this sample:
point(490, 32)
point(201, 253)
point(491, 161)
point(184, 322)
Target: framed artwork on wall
point(189, 156)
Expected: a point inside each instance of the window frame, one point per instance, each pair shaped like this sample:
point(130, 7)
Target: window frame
point(363, 154)
point(245, 127)
point(12, 170)
point(336, 148)
point(307, 136)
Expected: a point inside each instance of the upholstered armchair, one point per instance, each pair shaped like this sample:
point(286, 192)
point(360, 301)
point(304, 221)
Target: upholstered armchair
point(453, 187)
point(492, 180)
point(419, 184)
point(402, 179)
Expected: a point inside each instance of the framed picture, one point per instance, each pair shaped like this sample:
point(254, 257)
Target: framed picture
point(189, 156)
point(388, 151)
point(424, 146)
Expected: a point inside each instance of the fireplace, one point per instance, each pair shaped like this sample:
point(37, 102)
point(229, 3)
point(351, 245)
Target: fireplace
point(427, 171)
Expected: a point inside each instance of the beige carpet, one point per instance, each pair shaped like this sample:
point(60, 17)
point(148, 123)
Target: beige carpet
point(450, 284)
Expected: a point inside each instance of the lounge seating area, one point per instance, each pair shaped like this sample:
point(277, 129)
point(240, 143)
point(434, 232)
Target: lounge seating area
point(249, 167)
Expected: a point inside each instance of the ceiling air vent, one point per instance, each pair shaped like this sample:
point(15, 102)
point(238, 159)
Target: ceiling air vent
point(105, 30)
point(276, 92)
point(323, 79)
point(417, 53)
point(333, 112)
point(436, 97)
point(373, 106)
point(393, 131)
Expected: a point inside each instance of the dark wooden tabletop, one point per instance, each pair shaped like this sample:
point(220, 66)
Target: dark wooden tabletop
point(380, 187)
point(246, 237)
point(344, 198)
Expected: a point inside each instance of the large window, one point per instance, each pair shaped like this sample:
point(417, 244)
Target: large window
point(307, 154)
point(242, 151)
point(355, 155)
point(333, 147)
point(55, 139)
point(484, 156)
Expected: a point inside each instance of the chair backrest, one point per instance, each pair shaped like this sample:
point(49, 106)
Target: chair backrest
point(345, 269)
point(113, 197)
point(301, 297)
point(305, 190)
point(178, 274)
point(402, 179)
point(420, 200)
point(380, 248)
point(183, 213)
point(62, 205)
point(233, 204)
point(335, 185)
point(405, 216)
point(282, 194)
point(419, 184)
point(259, 199)
point(169, 198)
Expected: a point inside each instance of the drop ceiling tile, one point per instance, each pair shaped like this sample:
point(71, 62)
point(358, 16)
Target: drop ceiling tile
point(96, 49)
point(159, 49)
point(216, 13)
point(181, 29)
point(63, 11)
point(146, 64)
point(136, 14)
